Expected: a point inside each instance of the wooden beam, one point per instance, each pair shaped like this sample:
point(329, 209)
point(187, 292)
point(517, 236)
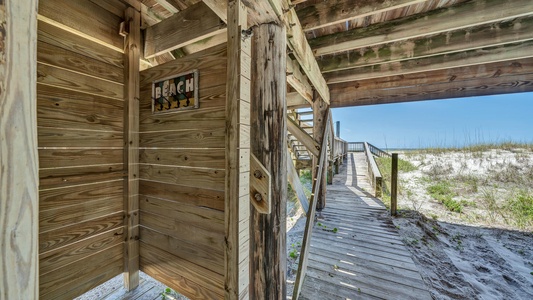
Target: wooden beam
point(237, 204)
point(218, 7)
point(310, 221)
point(495, 34)
point(320, 125)
point(327, 13)
point(298, 80)
point(84, 19)
point(301, 135)
point(294, 180)
point(19, 178)
point(269, 144)
point(299, 46)
point(459, 59)
point(295, 100)
point(131, 147)
point(260, 186)
point(462, 15)
point(196, 23)
point(436, 91)
point(493, 70)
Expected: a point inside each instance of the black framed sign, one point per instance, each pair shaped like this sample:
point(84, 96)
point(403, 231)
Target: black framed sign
point(176, 93)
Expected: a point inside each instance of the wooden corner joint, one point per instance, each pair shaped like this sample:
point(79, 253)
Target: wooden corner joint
point(260, 186)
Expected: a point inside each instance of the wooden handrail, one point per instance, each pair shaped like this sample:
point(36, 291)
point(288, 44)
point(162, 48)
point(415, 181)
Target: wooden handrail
point(302, 265)
point(376, 180)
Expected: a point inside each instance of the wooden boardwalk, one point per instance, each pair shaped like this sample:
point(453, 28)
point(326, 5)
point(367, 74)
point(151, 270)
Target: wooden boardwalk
point(365, 258)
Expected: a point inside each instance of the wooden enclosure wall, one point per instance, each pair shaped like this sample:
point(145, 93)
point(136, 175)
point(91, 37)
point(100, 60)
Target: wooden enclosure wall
point(182, 179)
point(80, 137)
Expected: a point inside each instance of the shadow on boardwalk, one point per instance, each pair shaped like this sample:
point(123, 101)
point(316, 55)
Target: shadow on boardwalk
point(356, 252)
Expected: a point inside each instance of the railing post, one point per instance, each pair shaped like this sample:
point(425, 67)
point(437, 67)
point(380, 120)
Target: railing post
point(394, 185)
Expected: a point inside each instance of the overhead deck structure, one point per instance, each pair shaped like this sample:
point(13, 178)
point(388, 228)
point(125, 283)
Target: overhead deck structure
point(93, 183)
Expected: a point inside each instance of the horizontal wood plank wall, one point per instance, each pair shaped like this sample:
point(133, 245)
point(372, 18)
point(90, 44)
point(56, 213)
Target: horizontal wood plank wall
point(182, 173)
point(80, 117)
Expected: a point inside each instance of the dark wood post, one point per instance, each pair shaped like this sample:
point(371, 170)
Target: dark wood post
point(19, 172)
point(319, 123)
point(394, 185)
point(268, 260)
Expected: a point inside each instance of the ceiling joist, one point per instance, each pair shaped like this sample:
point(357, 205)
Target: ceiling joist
point(191, 25)
point(463, 15)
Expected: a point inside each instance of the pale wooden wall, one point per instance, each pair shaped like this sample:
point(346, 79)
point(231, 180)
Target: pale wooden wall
point(80, 117)
point(182, 179)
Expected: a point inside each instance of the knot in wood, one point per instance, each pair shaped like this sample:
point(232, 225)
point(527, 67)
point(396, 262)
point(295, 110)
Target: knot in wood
point(258, 197)
point(258, 174)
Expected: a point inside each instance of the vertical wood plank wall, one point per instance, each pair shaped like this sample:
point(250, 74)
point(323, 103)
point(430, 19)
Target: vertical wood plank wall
point(182, 179)
point(80, 119)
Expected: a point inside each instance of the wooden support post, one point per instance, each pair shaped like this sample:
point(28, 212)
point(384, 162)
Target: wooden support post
point(330, 172)
point(337, 162)
point(394, 185)
point(237, 201)
point(19, 174)
point(269, 145)
point(320, 109)
point(131, 147)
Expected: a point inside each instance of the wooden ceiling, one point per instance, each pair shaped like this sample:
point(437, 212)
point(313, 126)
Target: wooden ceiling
point(379, 51)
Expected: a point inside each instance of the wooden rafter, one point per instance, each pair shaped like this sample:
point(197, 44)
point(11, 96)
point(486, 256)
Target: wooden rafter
point(196, 23)
point(494, 34)
point(463, 15)
point(458, 59)
point(328, 13)
point(455, 89)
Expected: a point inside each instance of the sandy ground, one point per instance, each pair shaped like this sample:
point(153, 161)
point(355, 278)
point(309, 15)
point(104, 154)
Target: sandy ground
point(476, 254)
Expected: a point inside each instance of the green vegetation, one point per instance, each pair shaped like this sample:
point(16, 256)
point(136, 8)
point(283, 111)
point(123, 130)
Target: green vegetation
point(385, 167)
point(520, 207)
point(477, 147)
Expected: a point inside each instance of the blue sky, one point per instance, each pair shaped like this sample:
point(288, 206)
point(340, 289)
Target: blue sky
point(440, 123)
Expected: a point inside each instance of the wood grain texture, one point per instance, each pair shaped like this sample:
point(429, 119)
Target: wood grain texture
point(154, 266)
point(18, 151)
point(70, 234)
point(73, 61)
point(54, 259)
point(194, 138)
point(60, 177)
point(85, 19)
point(212, 260)
point(269, 145)
point(183, 194)
point(67, 215)
point(200, 158)
point(59, 158)
point(183, 231)
point(322, 14)
point(131, 147)
point(64, 39)
point(60, 137)
point(237, 205)
point(62, 108)
point(74, 195)
point(452, 18)
point(87, 267)
point(193, 177)
point(193, 24)
point(65, 79)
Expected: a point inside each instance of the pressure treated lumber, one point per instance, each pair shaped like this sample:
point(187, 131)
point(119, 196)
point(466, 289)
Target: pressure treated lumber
point(327, 13)
point(320, 123)
point(85, 19)
point(298, 80)
point(507, 52)
point(193, 24)
point(310, 221)
point(296, 184)
point(237, 204)
point(455, 89)
point(18, 155)
point(303, 137)
point(462, 15)
point(487, 35)
point(131, 148)
point(268, 144)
